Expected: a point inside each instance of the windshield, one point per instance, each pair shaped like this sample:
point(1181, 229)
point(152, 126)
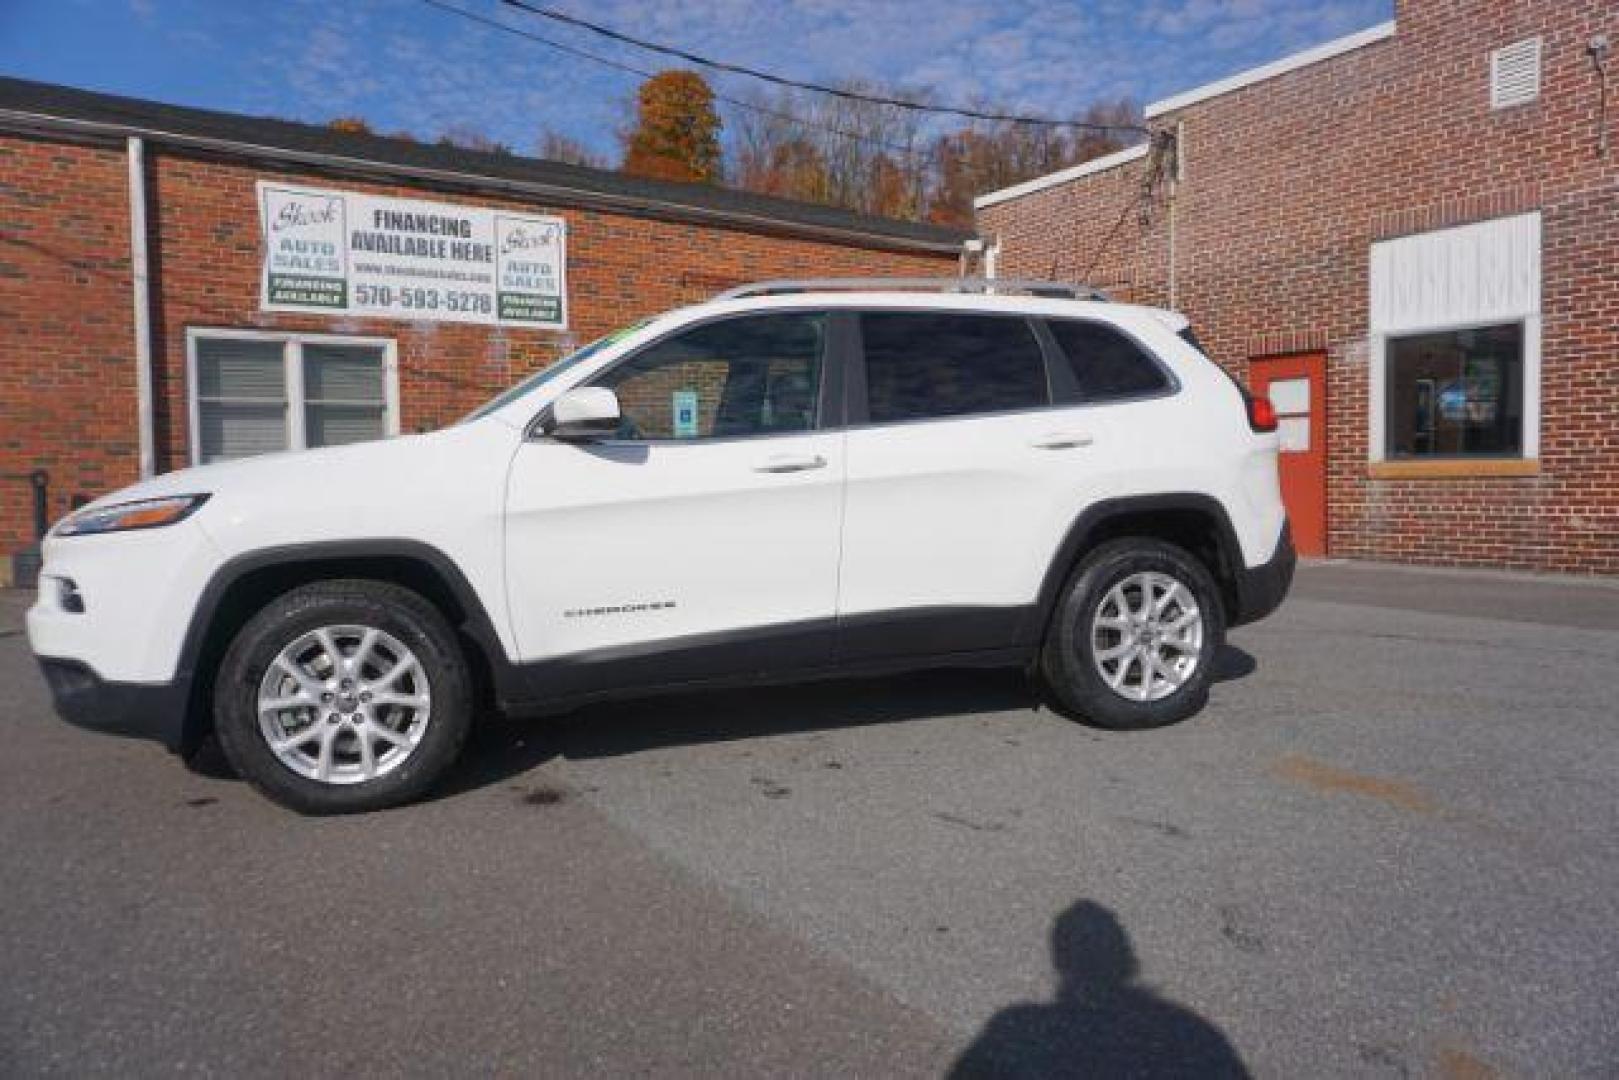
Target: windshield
point(551, 371)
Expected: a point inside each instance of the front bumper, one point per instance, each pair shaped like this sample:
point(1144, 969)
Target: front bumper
point(1261, 589)
point(143, 710)
point(135, 593)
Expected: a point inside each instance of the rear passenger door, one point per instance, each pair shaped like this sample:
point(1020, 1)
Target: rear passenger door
point(959, 471)
point(975, 441)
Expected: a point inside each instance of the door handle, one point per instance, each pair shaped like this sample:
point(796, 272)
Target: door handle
point(1063, 440)
point(789, 463)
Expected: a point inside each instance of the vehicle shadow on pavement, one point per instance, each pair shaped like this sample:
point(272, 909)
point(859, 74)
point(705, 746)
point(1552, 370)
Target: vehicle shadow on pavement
point(1233, 663)
point(1103, 1022)
point(502, 749)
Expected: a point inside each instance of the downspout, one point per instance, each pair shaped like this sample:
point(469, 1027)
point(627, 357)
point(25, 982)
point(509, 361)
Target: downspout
point(142, 294)
point(1598, 48)
point(972, 254)
point(1174, 299)
point(1176, 140)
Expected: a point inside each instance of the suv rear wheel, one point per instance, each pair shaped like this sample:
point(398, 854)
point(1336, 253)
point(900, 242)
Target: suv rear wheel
point(1133, 640)
point(343, 696)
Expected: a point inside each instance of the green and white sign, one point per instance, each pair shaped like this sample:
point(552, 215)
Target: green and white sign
point(344, 253)
point(684, 406)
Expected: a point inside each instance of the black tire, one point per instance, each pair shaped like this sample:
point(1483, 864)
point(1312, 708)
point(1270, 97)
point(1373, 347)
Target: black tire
point(1068, 665)
point(413, 623)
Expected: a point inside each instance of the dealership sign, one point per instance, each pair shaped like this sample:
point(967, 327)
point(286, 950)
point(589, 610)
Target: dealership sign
point(345, 253)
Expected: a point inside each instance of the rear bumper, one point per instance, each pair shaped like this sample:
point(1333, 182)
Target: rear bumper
point(142, 710)
point(1261, 589)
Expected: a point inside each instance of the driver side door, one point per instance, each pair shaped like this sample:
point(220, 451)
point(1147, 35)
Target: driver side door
point(701, 541)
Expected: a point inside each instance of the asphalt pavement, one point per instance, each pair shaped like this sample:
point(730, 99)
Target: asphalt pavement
point(1389, 847)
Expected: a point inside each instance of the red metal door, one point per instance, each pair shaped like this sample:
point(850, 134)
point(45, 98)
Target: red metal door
point(1297, 387)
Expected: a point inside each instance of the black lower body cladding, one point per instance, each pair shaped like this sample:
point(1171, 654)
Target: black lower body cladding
point(83, 698)
point(1261, 589)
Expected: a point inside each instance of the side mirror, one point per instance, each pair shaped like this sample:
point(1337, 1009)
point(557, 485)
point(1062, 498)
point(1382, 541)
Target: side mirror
point(583, 415)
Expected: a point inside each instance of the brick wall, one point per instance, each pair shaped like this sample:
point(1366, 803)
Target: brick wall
point(67, 385)
point(1287, 184)
point(67, 372)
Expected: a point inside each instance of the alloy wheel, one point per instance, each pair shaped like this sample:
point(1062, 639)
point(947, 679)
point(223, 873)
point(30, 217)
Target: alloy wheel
point(1147, 636)
point(344, 704)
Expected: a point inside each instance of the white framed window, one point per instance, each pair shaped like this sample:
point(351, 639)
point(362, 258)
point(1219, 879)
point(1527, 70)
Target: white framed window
point(1455, 344)
point(257, 391)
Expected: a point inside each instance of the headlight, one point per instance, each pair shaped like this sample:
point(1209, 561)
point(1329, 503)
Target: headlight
point(145, 514)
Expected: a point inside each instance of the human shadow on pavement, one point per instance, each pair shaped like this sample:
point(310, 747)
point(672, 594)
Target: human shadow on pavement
point(1103, 1022)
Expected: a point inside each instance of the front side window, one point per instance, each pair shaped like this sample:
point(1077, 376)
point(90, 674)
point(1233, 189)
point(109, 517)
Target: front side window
point(759, 375)
point(254, 394)
point(1456, 393)
point(1107, 365)
point(930, 364)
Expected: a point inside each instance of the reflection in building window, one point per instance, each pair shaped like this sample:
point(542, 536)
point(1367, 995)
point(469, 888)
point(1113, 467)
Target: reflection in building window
point(1456, 393)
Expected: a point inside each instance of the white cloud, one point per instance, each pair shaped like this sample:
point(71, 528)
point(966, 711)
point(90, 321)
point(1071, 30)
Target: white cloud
point(403, 65)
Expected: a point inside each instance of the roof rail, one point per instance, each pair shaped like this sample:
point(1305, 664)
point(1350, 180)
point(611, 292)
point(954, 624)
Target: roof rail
point(988, 286)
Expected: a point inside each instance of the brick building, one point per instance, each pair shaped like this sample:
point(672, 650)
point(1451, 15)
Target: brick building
point(140, 329)
point(1410, 237)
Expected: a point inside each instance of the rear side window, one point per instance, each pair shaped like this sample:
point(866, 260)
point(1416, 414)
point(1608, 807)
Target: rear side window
point(927, 364)
point(1106, 363)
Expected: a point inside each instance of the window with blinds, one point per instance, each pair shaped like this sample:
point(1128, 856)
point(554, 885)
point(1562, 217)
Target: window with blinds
point(344, 400)
point(241, 398)
point(258, 394)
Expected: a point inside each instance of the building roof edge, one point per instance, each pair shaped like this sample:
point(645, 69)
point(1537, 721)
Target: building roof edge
point(1325, 51)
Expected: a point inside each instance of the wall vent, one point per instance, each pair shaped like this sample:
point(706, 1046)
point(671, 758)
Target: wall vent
point(1515, 74)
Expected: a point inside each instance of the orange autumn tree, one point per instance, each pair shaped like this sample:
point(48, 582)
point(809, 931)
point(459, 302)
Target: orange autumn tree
point(677, 131)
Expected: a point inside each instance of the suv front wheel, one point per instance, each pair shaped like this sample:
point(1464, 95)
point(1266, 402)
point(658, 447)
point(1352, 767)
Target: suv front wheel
point(1134, 636)
point(343, 696)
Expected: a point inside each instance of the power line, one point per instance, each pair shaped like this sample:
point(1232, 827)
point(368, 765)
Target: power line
point(1101, 249)
point(818, 88)
point(1149, 181)
point(763, 110)
point(559, 46)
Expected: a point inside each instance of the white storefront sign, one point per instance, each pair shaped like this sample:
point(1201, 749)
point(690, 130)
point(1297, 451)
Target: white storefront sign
point(345, 253)
point(1471, 275)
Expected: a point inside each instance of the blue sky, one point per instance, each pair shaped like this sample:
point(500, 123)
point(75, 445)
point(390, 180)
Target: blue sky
point(404, 65)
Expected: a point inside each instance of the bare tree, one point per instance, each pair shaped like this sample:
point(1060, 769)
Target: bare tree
point(883, 159)
point(467, 137)
point(985, 156)
point(855, 154)
point(555, 146)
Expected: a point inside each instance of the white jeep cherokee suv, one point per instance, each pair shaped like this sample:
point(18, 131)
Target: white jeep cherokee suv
point(794, 480)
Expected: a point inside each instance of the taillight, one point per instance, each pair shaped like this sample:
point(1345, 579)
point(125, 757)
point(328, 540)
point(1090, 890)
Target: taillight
point(1261, 413)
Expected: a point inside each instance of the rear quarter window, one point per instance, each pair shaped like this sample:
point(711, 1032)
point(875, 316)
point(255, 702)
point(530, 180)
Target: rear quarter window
point(1106, 363)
